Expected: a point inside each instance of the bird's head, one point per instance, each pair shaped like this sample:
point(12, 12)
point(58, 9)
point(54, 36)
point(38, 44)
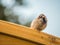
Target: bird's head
point(42, 18)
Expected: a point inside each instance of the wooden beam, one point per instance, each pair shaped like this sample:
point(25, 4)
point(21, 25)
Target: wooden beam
point(27, 33)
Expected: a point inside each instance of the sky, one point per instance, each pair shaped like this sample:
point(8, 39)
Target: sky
point(51, 8)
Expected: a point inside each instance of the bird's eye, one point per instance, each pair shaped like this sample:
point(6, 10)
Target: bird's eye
point(40, 16)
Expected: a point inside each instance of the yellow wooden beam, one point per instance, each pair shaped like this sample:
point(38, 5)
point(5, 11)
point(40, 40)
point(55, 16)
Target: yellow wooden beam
point(27, 33)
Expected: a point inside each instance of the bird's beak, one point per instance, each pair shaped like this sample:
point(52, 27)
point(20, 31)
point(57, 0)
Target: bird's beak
point(44, 21)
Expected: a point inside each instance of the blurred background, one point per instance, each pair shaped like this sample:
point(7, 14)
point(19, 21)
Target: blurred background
point(24, 11)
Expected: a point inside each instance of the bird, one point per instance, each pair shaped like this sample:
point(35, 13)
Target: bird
point(39, 23)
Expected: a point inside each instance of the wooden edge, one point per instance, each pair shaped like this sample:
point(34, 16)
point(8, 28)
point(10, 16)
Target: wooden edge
point(27, 33)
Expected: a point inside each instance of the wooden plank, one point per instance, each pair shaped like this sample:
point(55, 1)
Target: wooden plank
point(27, 33)
point(10, 40)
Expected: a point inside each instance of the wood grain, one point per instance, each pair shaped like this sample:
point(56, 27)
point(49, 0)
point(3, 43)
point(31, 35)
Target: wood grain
point(27, 33)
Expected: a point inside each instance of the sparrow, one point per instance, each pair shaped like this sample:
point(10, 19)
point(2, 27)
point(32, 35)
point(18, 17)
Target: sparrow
point(39, 23)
